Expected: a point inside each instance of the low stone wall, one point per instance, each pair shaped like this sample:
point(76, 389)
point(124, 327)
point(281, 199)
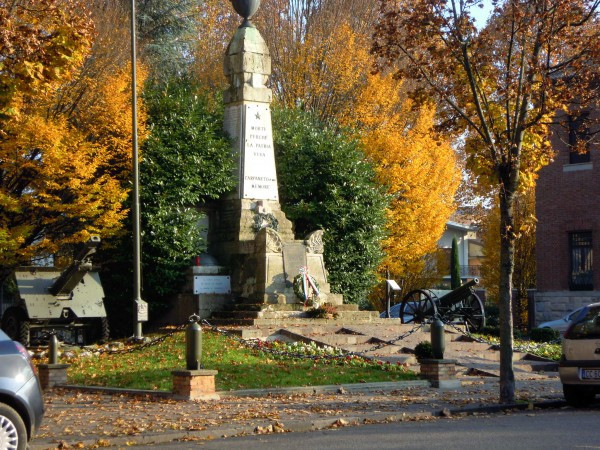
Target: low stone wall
point(554, 305)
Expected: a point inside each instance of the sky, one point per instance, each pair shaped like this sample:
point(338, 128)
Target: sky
point(481, 14)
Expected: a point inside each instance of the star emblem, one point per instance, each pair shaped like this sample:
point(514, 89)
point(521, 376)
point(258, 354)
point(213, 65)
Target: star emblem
point(257, 115)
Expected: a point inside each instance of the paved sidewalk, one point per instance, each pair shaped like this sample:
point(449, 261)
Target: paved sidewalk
point(77, 419)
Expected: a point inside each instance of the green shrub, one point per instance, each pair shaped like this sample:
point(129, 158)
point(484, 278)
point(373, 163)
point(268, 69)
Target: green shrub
point(492, 315)
point(326, 182)
point(424, 350)
point(490, 330)
point(543, 334)
point(324, 311)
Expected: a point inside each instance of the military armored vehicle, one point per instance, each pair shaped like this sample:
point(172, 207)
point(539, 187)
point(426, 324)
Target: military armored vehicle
point(69, 302)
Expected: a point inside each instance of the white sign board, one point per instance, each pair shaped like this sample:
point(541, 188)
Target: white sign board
point(212, 284)
point(393, 285)
point(258, 171)
point(142, 310)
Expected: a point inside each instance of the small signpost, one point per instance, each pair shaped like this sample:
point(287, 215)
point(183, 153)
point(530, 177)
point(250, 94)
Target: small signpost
point(142, 310)
point(391, 287)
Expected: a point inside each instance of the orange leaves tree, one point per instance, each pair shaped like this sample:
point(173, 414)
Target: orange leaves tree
point(58, 144)
point(416, 165)
point(500, 86)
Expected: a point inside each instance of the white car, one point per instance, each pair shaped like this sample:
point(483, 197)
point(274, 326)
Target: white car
point(579, 367)
point(563, 323)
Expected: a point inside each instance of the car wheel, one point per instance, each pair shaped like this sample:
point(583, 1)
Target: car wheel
point(578, 396)
point(13, 434)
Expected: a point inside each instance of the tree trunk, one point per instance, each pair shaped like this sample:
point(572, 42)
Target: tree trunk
point(507, 264)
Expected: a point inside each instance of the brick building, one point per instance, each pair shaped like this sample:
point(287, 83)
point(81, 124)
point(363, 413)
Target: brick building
point(568, 213)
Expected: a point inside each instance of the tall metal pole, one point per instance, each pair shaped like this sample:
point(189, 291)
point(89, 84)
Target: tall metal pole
point(137, 279)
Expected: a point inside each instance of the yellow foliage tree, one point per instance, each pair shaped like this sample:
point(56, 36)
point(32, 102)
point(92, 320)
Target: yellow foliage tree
point(418, 167)
point(64, 151)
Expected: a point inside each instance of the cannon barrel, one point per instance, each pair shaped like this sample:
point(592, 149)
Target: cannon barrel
point(458, 294)
point(74, 273)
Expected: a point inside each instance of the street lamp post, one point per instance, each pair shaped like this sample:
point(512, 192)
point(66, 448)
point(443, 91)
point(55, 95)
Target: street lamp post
point(140, 308)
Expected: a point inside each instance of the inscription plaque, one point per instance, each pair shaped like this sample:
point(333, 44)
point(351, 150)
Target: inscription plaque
point(259, 174)
point(294, 257)
point(212, 284)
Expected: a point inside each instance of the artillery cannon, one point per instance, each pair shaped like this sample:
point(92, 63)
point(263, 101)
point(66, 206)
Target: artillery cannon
point(460, 305)
point(69, 301)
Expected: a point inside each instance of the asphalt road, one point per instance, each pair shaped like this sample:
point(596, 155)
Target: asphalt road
point(555, 429)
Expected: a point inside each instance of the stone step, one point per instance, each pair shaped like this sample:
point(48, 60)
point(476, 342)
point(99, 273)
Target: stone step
point(228, 321)
point(277, 313)
point(286, 307)
point(366, 349)
point(340, 321)
point(338, 340)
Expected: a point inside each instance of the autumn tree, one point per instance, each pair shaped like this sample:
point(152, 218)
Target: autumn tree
point(41, 45)
point(65, 132)
point(500, 85)
point(525, 262)
point(417, 166)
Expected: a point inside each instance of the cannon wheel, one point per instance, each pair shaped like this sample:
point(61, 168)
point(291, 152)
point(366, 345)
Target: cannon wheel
point(473, 312)
point(417, 306)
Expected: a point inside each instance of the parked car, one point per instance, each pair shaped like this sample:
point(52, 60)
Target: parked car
point(579, 367)
point(21, 402)
point(563, 323)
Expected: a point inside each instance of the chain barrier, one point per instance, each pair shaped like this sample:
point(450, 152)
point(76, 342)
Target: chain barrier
point(518, 348)
point(416, 328)
point(144, 345)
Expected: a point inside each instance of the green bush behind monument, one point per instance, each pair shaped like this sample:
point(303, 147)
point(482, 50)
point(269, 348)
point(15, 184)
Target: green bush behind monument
point(186, 160)
point(326, 182)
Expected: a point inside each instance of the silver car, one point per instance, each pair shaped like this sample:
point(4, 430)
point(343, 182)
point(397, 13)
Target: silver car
point(563, 323)
point(579, 367)
point(21, 402)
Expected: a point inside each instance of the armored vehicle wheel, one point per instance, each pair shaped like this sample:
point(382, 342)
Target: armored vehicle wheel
point(104, 331)
point(98, 331)
point(417, 306)
point(16, 326)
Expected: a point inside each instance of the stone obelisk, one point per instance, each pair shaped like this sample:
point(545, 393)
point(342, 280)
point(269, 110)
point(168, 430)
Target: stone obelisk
point(252, 236)
point(255, 203)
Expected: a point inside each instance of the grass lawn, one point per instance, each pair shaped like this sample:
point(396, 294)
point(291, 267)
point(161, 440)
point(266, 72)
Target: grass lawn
point(239, 367)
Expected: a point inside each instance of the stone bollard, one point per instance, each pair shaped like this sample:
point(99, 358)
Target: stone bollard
point(52, 374)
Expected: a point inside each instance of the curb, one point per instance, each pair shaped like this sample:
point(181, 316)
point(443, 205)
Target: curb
point(356, 388)
point(292, 426)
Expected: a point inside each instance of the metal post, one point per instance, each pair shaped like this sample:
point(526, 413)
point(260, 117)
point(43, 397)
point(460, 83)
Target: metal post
point(137, 283)
point(193, 344)
point(438, 340)
point(387, 293)
point(53, 349)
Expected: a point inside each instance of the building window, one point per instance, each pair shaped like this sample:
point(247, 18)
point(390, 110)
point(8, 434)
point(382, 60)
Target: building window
point(581, 276)
point(579, 151)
